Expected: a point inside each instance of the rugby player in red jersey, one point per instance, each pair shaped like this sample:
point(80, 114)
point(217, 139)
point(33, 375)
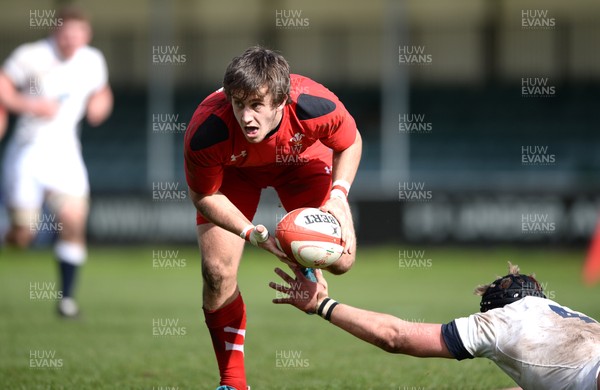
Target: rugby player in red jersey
point(3, 121)
point(264, 128)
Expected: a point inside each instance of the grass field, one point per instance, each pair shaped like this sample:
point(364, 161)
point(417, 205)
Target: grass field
point(142, 326)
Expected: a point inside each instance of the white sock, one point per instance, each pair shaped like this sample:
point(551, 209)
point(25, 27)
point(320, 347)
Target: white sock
point(70, 252)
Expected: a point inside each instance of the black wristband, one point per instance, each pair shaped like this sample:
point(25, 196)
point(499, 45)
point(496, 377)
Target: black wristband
point(326, 308)
point(322, 306)
point(328, 315)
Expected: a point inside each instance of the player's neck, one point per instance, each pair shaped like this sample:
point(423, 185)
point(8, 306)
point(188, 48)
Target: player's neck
point(63, 57)
point(278, 120)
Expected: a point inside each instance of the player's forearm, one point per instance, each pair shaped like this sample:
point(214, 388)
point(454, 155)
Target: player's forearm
point(345, 163)
point(10, 98)
point(3, 121)
point(375, 328)
point(391, 333)
point(100, 106)
point(218, 209)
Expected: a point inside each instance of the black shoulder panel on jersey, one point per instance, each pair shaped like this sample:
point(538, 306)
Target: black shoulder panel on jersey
point(210, 132)
point(310, 107)
point(454, 342)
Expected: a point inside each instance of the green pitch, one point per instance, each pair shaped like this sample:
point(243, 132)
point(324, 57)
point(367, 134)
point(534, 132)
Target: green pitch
point(142, 325)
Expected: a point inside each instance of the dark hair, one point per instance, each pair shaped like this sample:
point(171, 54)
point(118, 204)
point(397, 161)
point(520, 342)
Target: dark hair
point(254, 69)
point(72, 12)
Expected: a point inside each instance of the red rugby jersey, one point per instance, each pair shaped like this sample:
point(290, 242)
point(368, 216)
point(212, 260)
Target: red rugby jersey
point(312, 123)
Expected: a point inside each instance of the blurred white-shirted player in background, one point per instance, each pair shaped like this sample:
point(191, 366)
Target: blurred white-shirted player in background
point(539, 343)
point(51, 85)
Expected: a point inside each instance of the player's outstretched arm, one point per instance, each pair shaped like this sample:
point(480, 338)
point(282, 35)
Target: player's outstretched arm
point(345, 165)
point(218, 209)
point(382, 330)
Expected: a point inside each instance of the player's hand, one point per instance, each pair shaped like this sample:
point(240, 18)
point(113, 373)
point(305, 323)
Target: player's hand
point(269, 244)
point(3, 121)
point(301, 292)
point(42, 107)
point(340, 209)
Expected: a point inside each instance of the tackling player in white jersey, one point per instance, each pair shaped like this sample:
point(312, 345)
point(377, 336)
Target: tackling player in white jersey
point(536, 341)
point(51, 85)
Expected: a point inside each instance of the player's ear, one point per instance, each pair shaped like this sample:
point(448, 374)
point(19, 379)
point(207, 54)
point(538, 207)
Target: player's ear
point(283, 103)
point(90, 34)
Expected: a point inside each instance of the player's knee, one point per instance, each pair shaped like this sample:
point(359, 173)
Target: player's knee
point(212, 281)
point(73, 227)
point(217, 278)
point(70, 208)
point(19, 237)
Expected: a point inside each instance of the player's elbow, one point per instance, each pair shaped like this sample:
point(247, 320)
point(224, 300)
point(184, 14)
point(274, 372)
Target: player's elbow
point(204, 202)
point(392, 338)
point(100, 106)
point(96, 118)
point(342, 265)
point(201, 200)
point(358, 139)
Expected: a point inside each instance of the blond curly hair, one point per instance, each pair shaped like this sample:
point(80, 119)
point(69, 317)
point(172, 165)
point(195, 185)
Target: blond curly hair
point(513, 269)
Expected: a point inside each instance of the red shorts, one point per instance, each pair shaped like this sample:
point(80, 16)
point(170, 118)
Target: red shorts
point(306, 185)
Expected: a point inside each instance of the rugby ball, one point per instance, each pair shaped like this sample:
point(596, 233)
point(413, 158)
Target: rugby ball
point(310, 236)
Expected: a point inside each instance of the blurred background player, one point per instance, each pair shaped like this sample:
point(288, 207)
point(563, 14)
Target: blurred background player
point(536, 341)
point(256, 132)
point(591, 267)
point(51, 84)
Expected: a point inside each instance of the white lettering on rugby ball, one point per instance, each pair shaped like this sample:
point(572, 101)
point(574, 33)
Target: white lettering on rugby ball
point(318, 221)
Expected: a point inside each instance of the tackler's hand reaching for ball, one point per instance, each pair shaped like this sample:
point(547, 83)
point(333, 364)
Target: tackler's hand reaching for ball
point(301, 292)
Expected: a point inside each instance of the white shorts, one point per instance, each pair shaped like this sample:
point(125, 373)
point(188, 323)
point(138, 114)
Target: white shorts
point(30, 175)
